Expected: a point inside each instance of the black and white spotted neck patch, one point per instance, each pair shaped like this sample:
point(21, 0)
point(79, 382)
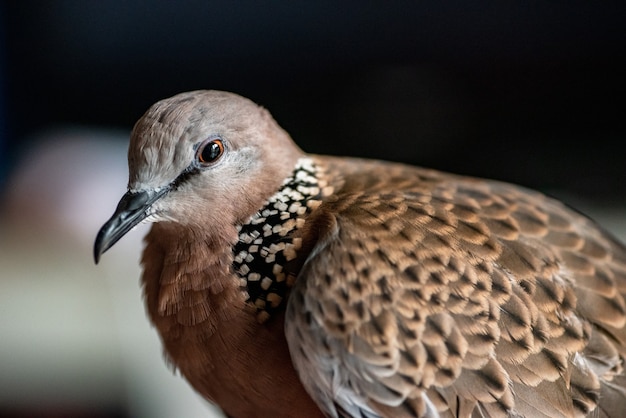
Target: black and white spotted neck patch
point(266, 243)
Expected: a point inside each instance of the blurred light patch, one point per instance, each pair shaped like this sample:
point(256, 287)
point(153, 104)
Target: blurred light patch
point(75, 338)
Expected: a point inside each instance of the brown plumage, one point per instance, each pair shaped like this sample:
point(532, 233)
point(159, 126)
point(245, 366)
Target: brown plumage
point(285, 284)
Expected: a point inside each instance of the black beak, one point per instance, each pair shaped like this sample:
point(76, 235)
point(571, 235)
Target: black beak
point(133, 208)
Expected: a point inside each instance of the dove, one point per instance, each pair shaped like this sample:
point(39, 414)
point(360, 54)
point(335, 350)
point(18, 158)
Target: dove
point(287, 284)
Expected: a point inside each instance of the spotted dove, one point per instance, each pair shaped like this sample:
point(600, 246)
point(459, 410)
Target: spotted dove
point(285, 284)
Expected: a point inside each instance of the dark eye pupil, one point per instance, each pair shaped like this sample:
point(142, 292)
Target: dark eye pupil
point(211, 151)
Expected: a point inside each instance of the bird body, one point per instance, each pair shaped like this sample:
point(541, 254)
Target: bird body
point(289, 284)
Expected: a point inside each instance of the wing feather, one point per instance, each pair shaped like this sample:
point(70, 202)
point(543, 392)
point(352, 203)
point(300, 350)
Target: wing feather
point(457, 295)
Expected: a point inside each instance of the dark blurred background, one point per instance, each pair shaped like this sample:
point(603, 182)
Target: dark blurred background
point(527, 92)
point(531, 92)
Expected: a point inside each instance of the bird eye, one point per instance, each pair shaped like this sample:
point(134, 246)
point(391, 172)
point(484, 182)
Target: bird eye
point(210, 151)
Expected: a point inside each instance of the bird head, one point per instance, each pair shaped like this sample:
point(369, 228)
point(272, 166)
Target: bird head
point(200, 160)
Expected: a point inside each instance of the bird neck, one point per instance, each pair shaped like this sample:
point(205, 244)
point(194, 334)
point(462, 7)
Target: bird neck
point(268, 255)
point(190, 278)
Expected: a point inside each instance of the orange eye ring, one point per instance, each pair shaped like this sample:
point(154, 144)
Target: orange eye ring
point(210, 151)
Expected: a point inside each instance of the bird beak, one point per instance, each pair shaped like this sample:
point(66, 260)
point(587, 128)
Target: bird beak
point(133, 208)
